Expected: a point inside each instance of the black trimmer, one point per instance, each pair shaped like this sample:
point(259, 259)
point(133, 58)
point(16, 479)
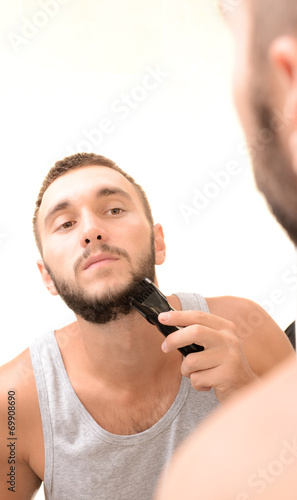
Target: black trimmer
point(150, 302)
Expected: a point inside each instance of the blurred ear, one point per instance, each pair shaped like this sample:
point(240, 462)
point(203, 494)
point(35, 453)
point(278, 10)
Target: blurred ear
point(283, 56)
point(160, 247)
point(47, 280)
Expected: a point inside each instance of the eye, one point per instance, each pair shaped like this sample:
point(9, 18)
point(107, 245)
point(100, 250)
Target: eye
point(66, 225)
point(115, 211)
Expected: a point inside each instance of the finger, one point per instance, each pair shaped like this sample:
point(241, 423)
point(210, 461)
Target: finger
point(183, 337)
point(206, 378)
point(201, 361)
point(194, 334)
point(201, 381)
point(187, 318)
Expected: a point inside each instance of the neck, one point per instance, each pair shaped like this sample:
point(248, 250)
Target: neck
point(126, 351)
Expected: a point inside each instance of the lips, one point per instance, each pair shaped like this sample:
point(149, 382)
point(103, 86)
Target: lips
point(97, 259)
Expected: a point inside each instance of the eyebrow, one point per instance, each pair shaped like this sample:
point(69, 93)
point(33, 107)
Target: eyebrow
point(101, 193)
point(63, 205)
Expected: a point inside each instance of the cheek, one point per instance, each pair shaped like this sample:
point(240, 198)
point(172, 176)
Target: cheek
point(137, 230)
point(139, 242)
point(59, 259)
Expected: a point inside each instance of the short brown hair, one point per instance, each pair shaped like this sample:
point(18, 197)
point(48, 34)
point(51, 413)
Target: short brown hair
point(73, 162)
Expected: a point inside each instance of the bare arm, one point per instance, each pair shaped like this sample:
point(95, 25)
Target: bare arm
point(18, 415)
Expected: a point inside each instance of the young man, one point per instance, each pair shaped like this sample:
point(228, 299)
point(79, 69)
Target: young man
point(96, 409)
point(250, 447)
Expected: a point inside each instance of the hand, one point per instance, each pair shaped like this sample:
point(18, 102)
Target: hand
point(222, 365)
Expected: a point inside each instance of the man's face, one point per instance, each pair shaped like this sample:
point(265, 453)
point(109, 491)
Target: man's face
point(97, 242)
point(259, 99)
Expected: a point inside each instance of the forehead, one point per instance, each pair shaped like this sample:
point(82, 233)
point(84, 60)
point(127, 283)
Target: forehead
point(81, 183)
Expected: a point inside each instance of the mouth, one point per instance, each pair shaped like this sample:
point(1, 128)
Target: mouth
point(99, 261)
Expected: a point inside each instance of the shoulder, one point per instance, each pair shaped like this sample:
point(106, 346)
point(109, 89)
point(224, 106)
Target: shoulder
point(17, 377)
point(246, 314)
point(232, 307)
point(18, 371)
point(19, 402)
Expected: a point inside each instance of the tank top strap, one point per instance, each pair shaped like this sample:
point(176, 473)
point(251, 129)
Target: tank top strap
point(192, 301)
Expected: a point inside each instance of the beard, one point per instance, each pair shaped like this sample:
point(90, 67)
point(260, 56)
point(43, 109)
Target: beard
point(273, 169)
point(113, 304)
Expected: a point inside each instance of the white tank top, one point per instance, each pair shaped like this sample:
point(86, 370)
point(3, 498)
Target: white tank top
point(85, 462)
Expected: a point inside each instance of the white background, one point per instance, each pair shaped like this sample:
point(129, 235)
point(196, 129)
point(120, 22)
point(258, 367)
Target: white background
point(66, 72)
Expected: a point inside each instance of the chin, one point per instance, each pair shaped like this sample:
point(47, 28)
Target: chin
point(109, 285)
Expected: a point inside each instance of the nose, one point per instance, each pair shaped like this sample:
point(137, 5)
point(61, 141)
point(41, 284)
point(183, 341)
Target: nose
point(92, 231)
point(89, 241)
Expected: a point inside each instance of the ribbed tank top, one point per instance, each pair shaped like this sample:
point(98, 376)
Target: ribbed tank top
point(85, 462)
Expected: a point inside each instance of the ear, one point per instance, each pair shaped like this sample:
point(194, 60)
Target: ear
point(283, 56)
point(160, 247)
point(47, 280)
